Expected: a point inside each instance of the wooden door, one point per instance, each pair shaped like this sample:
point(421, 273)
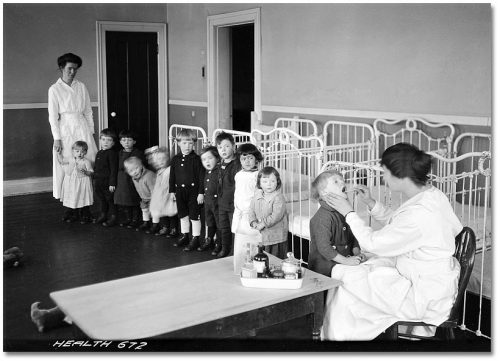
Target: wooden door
point(132, 84)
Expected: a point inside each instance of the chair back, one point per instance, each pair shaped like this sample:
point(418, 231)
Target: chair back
point(465, 249)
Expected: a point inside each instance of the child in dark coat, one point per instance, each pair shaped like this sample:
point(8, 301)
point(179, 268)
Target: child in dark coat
point(332, 241)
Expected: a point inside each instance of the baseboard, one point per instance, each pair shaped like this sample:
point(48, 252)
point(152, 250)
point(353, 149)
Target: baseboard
point(26, 186)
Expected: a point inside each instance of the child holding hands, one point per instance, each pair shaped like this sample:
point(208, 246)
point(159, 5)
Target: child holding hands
point(268, 213)
point(76, 192)
point(332, 241)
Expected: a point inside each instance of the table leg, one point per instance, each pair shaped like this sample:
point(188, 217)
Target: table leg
point(317, 316)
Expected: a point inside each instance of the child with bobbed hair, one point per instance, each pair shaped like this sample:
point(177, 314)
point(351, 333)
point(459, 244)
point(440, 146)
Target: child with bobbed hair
point(268, 213)
point(144, 181)
point(245, 185)
point(76, 193)
point(332, 241)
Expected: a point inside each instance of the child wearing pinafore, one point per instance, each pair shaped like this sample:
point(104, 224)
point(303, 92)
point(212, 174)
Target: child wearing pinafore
point(268, 213)
point(163, 207)
point(245, 185)
point(76, 192)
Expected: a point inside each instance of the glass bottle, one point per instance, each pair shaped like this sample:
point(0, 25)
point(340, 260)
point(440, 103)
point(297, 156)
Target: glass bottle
point(261, 262)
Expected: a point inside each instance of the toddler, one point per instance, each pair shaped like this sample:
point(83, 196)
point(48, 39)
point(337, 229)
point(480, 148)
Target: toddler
point(268, 213)
point(144, 182)
point(209, 158)
point(105, 170)
point(226, 169)
point(245, 185)
point(332, 241)
point(186, 174)
point(76, 192)
point(163, 207)
point(126, 196)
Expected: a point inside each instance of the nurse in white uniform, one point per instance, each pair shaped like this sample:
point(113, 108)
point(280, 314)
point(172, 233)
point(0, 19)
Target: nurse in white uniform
point(413, 275)
point(70, 116)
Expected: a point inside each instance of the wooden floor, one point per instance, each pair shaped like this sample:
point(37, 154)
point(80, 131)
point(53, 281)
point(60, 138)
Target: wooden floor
point(60, 256)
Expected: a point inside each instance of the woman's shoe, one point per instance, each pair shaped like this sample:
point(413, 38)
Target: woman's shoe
point(102, 218)
point(110, 222)
point(162, 231)
point(206, 244)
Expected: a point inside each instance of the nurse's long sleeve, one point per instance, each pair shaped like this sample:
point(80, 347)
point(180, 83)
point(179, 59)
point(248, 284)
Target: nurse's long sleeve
point(53, 107)
point(400, 236)
point(87, 111)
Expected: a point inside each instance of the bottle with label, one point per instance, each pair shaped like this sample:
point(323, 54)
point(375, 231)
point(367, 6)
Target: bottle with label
point(261, 262)
point(248, 270)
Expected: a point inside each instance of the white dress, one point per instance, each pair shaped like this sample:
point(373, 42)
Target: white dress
point(161, 200)
point(70, 118)
point(414, 276)
point(244, 190)
point(77, 187)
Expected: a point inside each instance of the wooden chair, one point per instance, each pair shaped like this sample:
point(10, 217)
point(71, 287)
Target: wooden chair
point(465, 248)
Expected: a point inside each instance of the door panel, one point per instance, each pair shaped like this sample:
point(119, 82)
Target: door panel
point(132, 84)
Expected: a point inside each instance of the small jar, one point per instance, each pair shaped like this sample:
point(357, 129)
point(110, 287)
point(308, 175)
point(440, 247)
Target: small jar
point(278, 272)
point(290, 264)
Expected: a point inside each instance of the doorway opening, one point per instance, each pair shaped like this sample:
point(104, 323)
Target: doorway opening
point(242, 76)
point(234, 75)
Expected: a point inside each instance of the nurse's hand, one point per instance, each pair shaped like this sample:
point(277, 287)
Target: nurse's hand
point(338, 202)
point(364, 195)
point(58, 145)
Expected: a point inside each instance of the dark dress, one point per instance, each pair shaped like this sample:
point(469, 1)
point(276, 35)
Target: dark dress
point(125, 193)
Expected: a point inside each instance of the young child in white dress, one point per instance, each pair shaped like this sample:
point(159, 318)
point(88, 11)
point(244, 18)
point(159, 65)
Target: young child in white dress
point(163, 207)
point(245, 185)
point(76, 192)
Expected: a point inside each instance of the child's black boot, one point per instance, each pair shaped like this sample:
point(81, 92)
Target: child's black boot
point(224, 251)
point(154, 228)
point(144, 226)
point(111, 222)
point(218, 247)
point(173, 233)
point(195, 241)
point(182, 241)
point(206, 244)
point(101, 218)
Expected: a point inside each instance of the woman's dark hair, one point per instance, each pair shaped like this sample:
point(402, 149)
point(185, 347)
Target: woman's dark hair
point(212, 149)
point(249, 148)
point(266, 172)
point(407, 161)
point(127, 133)
point(69, 58)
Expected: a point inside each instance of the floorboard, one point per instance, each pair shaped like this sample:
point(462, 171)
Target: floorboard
point(60, 256)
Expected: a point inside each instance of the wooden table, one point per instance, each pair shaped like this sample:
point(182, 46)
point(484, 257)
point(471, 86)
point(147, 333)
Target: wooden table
point(202, 300)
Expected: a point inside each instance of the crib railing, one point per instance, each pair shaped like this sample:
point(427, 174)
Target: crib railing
point(302, 127)
point(416, 131)
point(239, 136)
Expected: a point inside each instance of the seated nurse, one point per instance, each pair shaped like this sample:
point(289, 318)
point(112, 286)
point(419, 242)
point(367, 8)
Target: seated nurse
point(413, 275)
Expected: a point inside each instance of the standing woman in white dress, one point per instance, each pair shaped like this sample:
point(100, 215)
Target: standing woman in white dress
point(70, 116)
point(413, 275)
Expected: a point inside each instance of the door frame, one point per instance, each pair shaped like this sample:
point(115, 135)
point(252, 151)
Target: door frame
point(224, 20)
point(161, 30)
